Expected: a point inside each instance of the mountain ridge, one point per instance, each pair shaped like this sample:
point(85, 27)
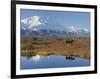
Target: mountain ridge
point(70, 32)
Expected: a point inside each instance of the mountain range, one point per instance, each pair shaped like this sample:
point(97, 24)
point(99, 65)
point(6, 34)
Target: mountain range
point(72, 31)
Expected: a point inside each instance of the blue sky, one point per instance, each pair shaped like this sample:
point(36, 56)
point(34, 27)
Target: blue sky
point(58, 19)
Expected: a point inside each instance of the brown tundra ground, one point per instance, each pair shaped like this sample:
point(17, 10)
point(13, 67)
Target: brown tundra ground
point(80, 47)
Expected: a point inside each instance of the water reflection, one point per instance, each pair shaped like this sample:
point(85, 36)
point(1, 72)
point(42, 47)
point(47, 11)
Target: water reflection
point(36, 58)
point(52, 61)
point(70, 57)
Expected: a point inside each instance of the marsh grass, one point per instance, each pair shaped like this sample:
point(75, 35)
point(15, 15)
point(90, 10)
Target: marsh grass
point(31, 46)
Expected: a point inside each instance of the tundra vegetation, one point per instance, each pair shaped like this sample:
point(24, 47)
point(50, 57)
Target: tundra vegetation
point(44, 46)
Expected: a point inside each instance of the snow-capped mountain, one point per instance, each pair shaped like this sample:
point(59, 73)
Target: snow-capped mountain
point(76, 31)
point(37, 26)
point(72, 31)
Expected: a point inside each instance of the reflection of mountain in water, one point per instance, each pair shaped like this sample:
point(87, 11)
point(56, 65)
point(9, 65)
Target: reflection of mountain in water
point(36, 58)
point(53, 61)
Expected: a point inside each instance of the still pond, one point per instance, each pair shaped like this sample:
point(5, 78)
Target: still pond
point(52, 61)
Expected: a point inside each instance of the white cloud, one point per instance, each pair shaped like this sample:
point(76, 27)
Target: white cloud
point(34, 21)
